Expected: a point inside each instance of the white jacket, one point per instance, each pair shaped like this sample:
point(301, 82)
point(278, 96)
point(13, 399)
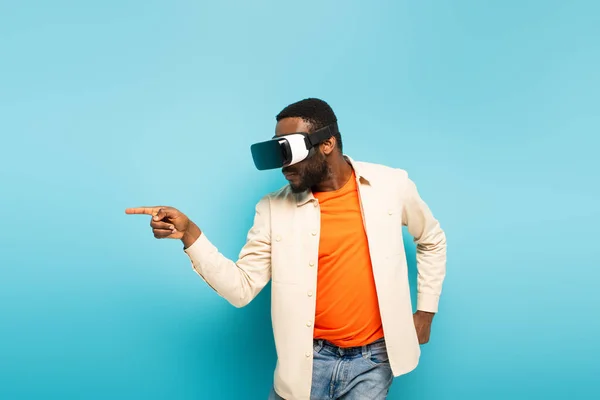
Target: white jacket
point(283, 244)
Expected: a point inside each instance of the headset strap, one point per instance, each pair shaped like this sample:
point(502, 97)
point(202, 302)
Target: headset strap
point(320, 135)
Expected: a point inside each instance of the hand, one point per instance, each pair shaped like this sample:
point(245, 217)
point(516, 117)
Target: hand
point(422, 320)
point(169, 223)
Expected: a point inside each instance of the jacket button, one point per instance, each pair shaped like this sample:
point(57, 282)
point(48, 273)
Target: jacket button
point(278, 238)
point(307, 354)
point(312, 264)
point(310, 293)
point(309, 324)
point(390, 212)
point(314, 233)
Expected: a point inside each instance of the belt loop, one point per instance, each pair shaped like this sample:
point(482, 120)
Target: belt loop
point(318, 345)
point(365, 351)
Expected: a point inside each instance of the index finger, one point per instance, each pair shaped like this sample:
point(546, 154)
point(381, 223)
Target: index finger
point(142, 210)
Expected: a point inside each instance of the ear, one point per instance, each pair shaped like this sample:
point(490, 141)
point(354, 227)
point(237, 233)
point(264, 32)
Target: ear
point(328, 146)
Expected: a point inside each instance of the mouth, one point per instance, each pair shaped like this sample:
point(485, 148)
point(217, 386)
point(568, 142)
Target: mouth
point(290, 175)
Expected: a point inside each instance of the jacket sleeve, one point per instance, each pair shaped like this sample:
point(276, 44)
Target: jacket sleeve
point(430, 242)
point(239, 282)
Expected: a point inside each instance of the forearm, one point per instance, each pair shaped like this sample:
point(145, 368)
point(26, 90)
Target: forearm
point(238, 282)
point(431, 267)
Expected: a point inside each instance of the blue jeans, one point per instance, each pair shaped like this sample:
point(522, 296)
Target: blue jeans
point(351, 373)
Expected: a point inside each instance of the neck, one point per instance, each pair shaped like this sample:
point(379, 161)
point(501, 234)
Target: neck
point(340, 173)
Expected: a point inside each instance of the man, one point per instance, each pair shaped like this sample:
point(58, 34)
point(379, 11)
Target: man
point(331, 244)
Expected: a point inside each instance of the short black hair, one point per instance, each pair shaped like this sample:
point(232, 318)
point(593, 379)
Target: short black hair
point(314, 111)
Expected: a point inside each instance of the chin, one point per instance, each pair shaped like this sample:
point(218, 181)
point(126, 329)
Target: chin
point(297, 188)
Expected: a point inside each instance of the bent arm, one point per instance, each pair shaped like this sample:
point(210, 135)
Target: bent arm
point(239, 282)
point(430, 241)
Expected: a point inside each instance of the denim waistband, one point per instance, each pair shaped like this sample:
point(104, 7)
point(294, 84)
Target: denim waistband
point(349, 351)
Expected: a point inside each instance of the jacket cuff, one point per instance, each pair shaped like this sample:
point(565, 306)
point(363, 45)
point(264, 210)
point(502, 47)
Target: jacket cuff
point(200, 249)
point(427, 302)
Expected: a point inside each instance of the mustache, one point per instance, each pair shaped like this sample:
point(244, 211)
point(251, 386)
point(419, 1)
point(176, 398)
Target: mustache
point(289, 170)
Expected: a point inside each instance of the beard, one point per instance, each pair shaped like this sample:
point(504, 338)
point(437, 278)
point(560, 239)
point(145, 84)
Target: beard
point(311, 174)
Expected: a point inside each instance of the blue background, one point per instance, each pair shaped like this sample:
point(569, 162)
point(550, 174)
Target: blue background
point(492, 107)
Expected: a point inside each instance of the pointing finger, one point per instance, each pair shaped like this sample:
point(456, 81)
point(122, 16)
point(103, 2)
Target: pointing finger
point(142, 210)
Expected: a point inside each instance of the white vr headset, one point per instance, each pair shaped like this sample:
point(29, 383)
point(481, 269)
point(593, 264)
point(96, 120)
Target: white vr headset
point(290, 148)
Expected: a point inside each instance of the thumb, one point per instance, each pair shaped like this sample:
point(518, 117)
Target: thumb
point(164, 212)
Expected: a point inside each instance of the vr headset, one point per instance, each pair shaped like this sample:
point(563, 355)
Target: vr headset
point(290, 148)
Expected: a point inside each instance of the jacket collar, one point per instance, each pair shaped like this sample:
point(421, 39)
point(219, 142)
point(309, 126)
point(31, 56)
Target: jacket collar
point(307, 196)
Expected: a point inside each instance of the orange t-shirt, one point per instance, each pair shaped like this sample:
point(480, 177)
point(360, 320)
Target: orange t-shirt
point(347, 312)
